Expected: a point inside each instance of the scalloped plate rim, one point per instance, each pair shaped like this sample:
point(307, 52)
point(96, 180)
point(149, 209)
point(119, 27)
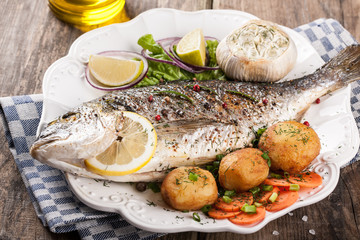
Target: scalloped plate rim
point(192, 227)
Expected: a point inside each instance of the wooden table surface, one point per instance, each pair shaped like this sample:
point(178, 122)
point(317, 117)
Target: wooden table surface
point(31, 38)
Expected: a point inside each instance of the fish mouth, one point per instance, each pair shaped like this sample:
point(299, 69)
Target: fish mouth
point(44, 141)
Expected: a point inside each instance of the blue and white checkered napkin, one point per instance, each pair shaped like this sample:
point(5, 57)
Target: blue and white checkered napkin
point(56, 205)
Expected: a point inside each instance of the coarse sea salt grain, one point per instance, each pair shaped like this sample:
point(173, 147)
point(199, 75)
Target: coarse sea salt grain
point(312, 231)
point(305, 218)
point(276, 233)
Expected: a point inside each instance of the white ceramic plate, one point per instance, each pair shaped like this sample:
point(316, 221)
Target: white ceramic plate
point(65, 87)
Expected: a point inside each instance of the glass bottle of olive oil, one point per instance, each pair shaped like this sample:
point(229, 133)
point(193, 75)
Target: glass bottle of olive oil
point(89, 14)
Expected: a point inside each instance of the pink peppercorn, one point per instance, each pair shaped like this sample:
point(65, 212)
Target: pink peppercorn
point(151, 98)
point(306, 123)
point(157, 117)
point(317, 100)
point(265, 101)
point(196, 88)
point(224, 105)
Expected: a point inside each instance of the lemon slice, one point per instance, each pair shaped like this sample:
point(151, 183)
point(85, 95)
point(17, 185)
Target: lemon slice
point(112, 71)
point(133, 149)
point(191, 48)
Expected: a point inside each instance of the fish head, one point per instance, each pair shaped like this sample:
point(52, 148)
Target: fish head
point(77, 135)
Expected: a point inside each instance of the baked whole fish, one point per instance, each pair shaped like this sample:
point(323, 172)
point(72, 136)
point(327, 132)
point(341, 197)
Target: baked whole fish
point(195, 126)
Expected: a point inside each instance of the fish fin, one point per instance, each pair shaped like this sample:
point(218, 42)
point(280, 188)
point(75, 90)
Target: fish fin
point(345, 66)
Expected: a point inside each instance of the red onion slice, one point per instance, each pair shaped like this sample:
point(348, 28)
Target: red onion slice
point(121, 54)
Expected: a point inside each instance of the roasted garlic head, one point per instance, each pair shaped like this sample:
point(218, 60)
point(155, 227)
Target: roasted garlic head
point(258, 51)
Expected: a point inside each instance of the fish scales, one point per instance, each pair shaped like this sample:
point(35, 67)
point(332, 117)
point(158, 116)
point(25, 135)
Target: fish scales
point(195, 126)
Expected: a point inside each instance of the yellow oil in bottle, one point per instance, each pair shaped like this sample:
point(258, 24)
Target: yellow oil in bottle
point(89, 14)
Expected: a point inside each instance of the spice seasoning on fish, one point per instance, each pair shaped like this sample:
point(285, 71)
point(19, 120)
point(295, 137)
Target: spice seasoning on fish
point(199, 87)
point(225, 122)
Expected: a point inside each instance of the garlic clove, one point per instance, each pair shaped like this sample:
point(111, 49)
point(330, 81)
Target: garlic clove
point(258, 51)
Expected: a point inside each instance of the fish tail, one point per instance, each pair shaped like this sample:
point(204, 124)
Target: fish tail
point(345, 67)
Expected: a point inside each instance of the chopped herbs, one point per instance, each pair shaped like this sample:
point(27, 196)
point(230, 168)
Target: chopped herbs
point(231, 193)
point(154, 187)
point(196, 217)
point(267, 188)
point(205, 209)
point(275, 175)
point(152, 204)
point(219, 157)
point(227, 199)
point(255, 190)
point(193, 176)
point(294, 187)
point(267, 158)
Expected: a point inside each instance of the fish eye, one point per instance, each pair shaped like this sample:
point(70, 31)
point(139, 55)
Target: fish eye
point(69, 116)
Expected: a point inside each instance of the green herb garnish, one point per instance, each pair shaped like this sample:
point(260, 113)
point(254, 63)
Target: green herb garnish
point(176, 93)
point(193, 176)
point(243, 95)
point(227, 199)
point(154, 187)
point(254, 190)
point(196, 217)
point(230, 193)
point(267, 158)
point(205, 209)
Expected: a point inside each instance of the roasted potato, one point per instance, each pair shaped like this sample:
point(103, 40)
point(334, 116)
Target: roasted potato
point(189, 188)
point(291, 146)
point(243, 169)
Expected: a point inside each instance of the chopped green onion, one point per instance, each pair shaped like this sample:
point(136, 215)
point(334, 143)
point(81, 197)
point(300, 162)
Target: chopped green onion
point(267, 188)
point(243, 207)
point(267, 158)
point(257, 204)
point(250, 209)
point(193, 176)
point(255, 190)
point(205, 209)
point(286, 175)
point(227, 199)
point(196, 217)
point(230, 193)
point(219, 157)
point(273, 197)
point(243, 95)
point(260, 131)
point(294, 187)
point(176, 93)
point(275, 175)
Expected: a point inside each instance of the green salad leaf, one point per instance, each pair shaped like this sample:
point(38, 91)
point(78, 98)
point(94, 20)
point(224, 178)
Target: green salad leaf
point(159, 72)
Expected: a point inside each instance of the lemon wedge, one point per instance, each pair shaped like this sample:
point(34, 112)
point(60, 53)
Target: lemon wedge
point(133, 149)
point(191, 48)
point(112, 71)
